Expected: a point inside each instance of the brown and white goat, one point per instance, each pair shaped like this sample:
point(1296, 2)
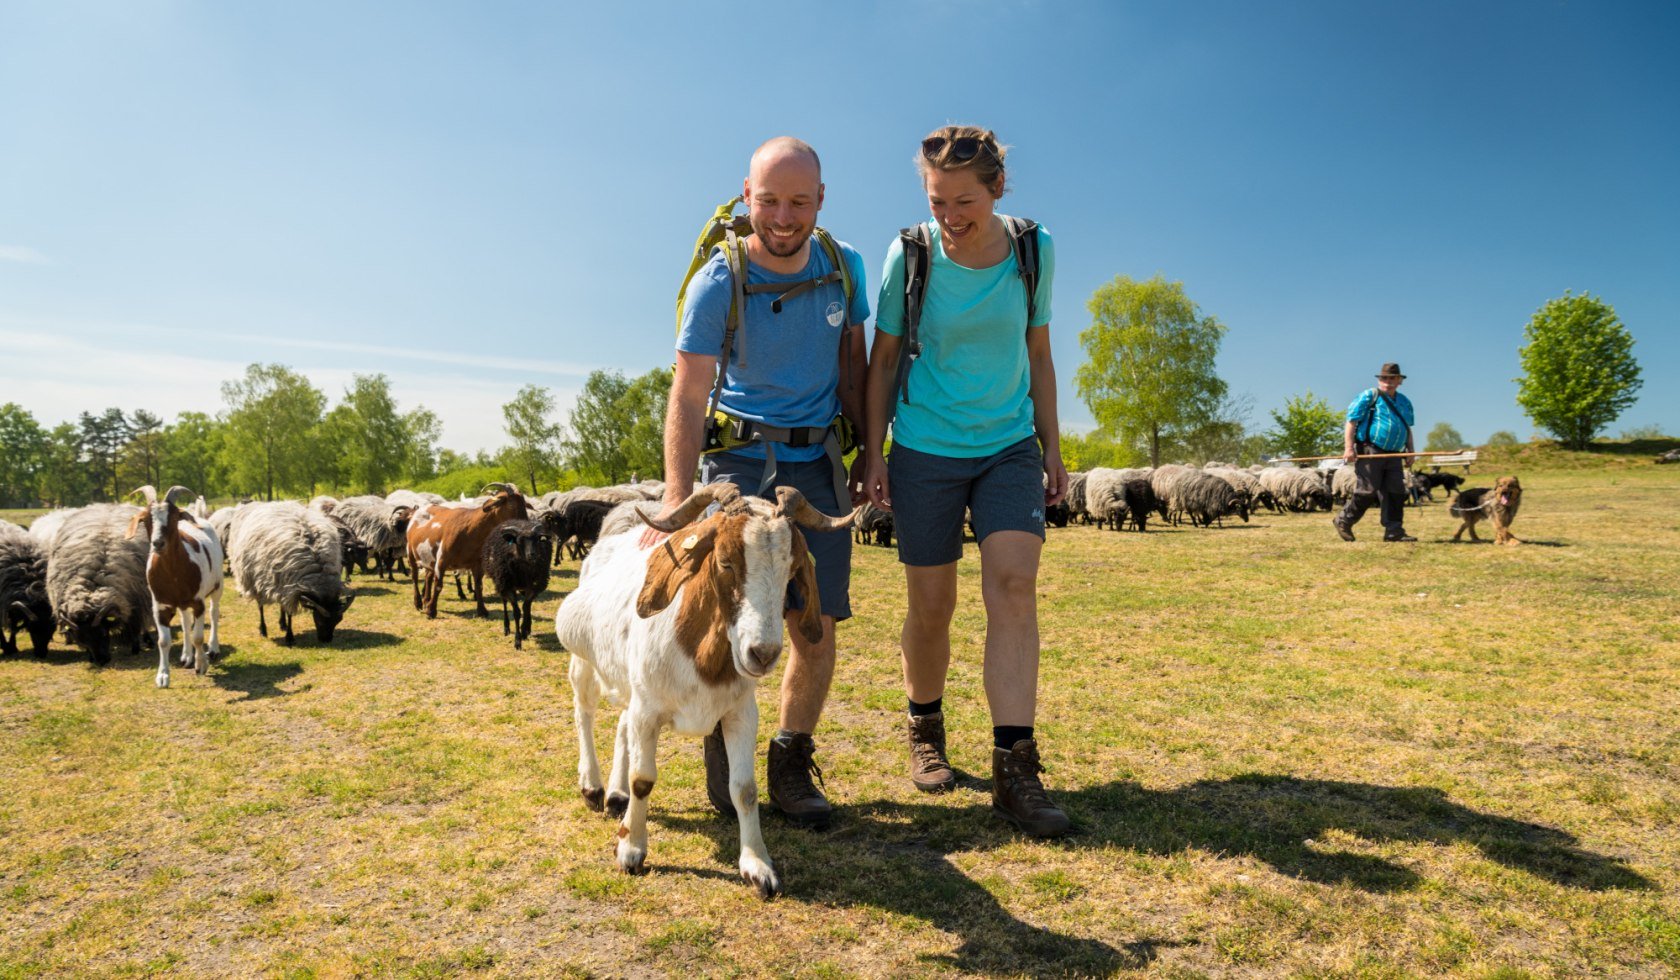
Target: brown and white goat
point(184, 574)
point(680, 633)
point(452, 539)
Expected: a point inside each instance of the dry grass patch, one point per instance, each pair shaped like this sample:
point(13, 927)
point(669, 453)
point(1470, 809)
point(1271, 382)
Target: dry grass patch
point(1283, 754)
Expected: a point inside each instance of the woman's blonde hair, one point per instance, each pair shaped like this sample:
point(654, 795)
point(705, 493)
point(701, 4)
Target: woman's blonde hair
point(936, 153)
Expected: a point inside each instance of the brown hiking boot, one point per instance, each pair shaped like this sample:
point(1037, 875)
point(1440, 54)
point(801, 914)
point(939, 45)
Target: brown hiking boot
point(1342, 527)
point(1017, 794)
point(717, 772)
point(929, 769)
point(791, 791)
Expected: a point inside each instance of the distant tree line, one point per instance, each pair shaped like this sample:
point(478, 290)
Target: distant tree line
point(276, 437)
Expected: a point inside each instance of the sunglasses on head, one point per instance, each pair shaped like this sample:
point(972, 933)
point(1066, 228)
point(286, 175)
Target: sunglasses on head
point(962, 149)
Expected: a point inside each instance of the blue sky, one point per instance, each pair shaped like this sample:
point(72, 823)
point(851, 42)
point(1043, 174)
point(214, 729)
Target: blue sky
point(471, 197)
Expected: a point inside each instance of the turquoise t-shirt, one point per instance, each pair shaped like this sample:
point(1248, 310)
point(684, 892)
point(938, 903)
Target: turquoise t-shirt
point(968, 392)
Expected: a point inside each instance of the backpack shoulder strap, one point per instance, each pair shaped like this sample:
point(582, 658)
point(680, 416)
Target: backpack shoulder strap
point(831, 248)
point(734, 338)
point(918, 262)
point(1023, 238)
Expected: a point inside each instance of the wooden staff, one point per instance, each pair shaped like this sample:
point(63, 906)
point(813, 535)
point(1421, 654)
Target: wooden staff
point(1314, 459)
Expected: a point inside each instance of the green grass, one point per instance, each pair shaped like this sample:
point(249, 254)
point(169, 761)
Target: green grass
point(1284, 755)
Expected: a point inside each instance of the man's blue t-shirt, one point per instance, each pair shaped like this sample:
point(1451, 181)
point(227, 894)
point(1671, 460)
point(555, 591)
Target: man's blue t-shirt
point(785, 369)
point(1386, 431)
point(969, 390)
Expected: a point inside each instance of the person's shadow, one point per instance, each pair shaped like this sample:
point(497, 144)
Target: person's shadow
point(894, 856)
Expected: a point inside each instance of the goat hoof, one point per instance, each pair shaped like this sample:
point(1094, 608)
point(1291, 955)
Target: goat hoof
point(162, 680)
point(632, 860)
point(762, 878)
point(593, 798)
point(617, 804)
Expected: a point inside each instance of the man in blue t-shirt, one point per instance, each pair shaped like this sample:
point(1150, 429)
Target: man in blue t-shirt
point(783, 386)
point(1380, 420)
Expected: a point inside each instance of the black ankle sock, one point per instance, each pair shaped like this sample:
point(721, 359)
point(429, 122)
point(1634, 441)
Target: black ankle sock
point(933, 707)
point(1005, 736)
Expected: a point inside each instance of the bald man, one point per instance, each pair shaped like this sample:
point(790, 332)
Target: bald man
point(781, 401)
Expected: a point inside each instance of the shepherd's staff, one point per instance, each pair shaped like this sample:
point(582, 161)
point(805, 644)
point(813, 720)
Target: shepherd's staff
point(1314, 459)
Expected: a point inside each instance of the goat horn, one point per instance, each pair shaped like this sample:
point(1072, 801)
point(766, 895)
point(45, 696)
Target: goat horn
point(148, 491)
point(498, 487)
point(792, 504)
point(169, 497)
point(697, 502)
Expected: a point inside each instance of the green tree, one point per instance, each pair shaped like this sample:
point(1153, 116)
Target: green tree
point(1307, 426)
point(102, 439)
point(535, 437)
point(272, 416)
point(1443, 437)
point(23, 446)
point(1502, 439)
point(1579, 369)
point(599, 428)
point(423, 431)
point(367, 435)
point(1081, 452)
point(644, 405)
point(193, 447)
point(1149, 375)
point(1223, 436)
point(143, 456)
point(65, 480)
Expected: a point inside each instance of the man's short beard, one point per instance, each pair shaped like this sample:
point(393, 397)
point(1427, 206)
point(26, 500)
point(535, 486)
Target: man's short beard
point(798, 243)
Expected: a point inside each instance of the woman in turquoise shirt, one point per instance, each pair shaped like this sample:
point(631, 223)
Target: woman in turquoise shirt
point(974, 431)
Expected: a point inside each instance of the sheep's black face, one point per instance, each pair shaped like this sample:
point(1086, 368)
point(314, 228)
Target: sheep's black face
point(92, 633)
point(327, 615)
point(38, 617)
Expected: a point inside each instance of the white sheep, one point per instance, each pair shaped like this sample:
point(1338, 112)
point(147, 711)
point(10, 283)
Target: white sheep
point(680, 633)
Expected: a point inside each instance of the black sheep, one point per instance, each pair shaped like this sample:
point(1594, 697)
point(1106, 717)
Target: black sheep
point(516, 561)
point(23, 592)
point(1140, 499)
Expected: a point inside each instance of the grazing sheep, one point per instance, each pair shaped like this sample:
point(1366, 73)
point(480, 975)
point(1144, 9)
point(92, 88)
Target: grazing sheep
point(1105, 497)
point(1342, 483)
point(1140, 501)
point(1076, 499)
point(516, 560)
point(353, 550)
point(184, 574)
point(1247, 486)
point(453, 537)
point(873, 525)
point(96, 579)
point(1207, 500)
point(1295, 489)
point(380, 525)
point(323, 504)
point(680, 632)
point(1165, 482)
point(23, 591)
point(289, 556)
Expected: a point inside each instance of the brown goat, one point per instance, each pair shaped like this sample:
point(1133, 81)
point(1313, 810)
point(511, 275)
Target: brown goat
point(460, 534)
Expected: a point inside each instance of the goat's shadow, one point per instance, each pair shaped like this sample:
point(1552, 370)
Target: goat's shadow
point(895, 855)
point(255, 680)
point(1524, 543)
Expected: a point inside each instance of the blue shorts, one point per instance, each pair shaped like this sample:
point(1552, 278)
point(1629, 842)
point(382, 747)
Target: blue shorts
point(1004, 492)
point(831, 550)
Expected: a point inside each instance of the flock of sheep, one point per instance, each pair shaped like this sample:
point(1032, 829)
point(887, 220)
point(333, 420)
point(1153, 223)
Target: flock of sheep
point(115, 575)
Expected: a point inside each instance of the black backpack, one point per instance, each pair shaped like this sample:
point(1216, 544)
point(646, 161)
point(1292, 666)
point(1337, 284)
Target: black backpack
point(918, 262)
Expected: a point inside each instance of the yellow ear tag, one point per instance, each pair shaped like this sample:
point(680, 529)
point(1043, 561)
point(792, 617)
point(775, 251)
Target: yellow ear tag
point(690, 541)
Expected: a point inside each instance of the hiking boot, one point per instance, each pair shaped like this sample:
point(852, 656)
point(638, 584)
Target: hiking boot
point(1017, 794)
point(717, 772)
point(929, 769)
point(1342, 527)
point(1402, 536)
point(789, 773)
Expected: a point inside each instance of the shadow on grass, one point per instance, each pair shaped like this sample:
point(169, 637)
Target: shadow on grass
point(895, 856)
point(1526, 543)
point(255, 680)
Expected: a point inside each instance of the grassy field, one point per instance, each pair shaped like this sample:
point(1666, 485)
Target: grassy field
point(1284, 755)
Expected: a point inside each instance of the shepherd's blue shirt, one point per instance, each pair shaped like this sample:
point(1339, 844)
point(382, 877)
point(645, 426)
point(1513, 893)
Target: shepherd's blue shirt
point(1385, 430)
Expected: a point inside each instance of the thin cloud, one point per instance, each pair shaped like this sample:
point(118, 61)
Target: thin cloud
point(520, 365)
point(23, 254)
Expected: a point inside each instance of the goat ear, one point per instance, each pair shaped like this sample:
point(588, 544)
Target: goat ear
point(673, 562)
point(805, 577)
point(134, 525)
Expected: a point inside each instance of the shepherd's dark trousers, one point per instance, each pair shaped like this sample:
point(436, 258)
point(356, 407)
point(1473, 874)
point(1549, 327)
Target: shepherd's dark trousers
point(1378, 481)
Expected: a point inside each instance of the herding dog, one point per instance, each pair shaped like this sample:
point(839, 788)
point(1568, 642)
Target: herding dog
point(1498, 505)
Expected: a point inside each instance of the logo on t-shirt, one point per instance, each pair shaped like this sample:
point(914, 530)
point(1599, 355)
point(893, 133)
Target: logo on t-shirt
point(836, 314)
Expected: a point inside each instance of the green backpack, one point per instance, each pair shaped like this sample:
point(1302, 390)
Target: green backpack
point(725, 229)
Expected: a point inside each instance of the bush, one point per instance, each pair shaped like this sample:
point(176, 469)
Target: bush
point(1502, 439)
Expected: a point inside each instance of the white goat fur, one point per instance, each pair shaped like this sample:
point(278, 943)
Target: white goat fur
point(641, 664)
point(207, 559)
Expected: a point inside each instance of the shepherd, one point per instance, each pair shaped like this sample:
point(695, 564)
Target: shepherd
point(1379, 423)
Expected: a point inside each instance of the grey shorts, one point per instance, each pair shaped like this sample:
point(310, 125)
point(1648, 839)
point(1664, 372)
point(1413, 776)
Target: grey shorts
point(831, 550)
point(1004, 491)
